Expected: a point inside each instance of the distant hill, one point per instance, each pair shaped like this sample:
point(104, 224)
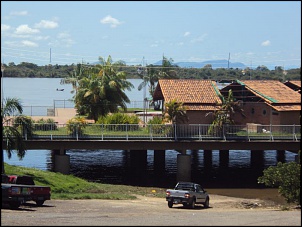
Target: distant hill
point(215, 64)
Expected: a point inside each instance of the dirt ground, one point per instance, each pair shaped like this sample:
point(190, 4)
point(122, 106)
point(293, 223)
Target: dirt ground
point(151, 211)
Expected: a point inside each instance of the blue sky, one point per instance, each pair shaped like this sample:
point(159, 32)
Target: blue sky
point(142, 32)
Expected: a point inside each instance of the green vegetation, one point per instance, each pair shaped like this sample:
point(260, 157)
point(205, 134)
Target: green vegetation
point(30, 70)
point(11, 133)
point(70, 187)
point(285, 176)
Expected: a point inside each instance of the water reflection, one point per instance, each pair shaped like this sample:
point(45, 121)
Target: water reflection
point(213, 169)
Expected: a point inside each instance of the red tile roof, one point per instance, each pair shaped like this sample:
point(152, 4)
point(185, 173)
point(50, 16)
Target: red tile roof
point(195, 94)
point(275, 93)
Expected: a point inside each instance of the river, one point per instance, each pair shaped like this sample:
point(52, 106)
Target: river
point(112, 166)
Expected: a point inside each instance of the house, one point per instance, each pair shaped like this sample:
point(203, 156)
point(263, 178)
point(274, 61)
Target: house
point(199, 97)
point(265, 102)
point(294, 84)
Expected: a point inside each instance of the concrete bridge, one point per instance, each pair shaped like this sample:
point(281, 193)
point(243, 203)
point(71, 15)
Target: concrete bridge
point(138, 150)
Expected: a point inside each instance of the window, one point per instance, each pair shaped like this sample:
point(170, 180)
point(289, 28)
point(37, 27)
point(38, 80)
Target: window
point(253, 111)
point(264, 112)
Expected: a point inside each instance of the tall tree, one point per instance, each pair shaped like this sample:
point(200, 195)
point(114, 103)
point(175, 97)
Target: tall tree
point(101, 91)
point(167, 71)
point(10, 133)
point(74, 77)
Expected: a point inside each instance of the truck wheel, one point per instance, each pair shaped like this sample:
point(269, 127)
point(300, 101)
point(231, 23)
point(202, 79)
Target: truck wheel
point(207, 203)
point(193, 204)
point(40, 202)
point(170, 204)
point(14, 205)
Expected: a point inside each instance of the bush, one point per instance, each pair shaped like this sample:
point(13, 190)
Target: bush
point(76, 125)
point(45, 125)
point(285, 176)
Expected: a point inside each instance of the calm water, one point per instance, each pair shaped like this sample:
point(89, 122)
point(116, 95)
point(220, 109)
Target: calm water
point(112, 166)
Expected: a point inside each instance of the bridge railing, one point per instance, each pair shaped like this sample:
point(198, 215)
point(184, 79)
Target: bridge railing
point(55, 131)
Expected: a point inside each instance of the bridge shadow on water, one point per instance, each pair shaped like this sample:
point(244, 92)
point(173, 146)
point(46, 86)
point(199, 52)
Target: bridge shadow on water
point(240, 169)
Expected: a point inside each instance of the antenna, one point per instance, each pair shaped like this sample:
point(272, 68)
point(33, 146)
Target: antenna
point(50, 56)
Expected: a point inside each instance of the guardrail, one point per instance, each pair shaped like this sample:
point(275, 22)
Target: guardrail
point(54, 131)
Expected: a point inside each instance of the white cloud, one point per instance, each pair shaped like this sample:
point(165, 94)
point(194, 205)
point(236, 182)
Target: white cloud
point(46, 24)
point(65, 39)
point(4, 27)
point(266, 43)
point(187, 34)
point(24, 29)
point(41, 38)
point(199, 39)
point(29, 43)
point(110, 20)
point(18, 13)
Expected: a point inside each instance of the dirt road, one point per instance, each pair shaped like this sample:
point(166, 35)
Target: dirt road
point(150, 211)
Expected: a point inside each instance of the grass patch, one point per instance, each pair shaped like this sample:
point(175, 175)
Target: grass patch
point(70, 187)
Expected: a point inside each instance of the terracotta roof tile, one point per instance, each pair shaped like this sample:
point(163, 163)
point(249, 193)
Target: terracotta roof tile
point(201, 107)
point(272, 91)
point(191, 91)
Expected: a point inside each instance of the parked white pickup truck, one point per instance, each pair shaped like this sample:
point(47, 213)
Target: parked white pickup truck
point(188, 194)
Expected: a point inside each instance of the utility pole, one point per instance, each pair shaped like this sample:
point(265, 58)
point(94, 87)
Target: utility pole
point(229, 60)
point(2, 91)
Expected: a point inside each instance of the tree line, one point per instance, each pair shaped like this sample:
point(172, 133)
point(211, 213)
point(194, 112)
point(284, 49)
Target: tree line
point(31, 70)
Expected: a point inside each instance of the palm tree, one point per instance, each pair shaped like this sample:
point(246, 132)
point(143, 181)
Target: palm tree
point(166, 71)
point(10, 132)
point(101, 91)
point(225, 113)
point(74, 77)
point(175, 112)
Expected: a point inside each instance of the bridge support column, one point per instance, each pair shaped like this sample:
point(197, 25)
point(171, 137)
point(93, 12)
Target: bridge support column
point(159, 161)
point(138, 166)
point(280, 156)
point(257, 159)
point(61, 161)
point(207, 157)
point(224, 158)
point(183, 167)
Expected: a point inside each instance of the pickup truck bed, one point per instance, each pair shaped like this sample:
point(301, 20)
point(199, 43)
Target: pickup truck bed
point(15, 195)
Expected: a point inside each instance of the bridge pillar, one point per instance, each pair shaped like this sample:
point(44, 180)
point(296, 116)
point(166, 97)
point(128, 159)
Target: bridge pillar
point(159, 161)
point(224, 158)
point(61, 161)
point(138, 166)
point(280, 156)
point(183, 167)
point(207, 157)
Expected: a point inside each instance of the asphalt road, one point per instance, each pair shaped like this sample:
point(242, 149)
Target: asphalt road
point(149, 211)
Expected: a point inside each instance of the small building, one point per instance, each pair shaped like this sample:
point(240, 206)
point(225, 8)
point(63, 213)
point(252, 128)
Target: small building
point(265, 102)
point(199, 97)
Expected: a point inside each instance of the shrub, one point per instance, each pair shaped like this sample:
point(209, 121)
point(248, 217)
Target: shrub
point(76, 124)
point(45, 125)
point(285, 176)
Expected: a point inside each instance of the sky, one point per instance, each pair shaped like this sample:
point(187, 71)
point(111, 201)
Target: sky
point(142, 32)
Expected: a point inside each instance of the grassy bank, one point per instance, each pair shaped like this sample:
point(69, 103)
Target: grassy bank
point(71, 187)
